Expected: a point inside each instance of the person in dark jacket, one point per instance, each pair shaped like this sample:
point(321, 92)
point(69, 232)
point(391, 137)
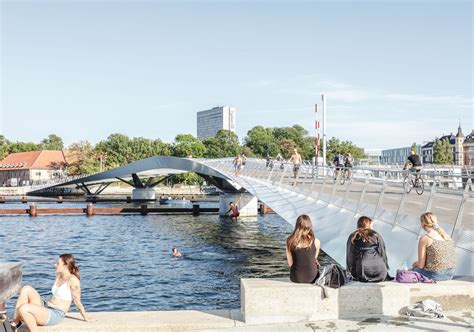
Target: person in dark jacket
point(366, 258)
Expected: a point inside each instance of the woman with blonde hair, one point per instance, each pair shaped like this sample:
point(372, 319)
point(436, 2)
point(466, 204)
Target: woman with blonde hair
point(302, 250)
point(366, 258)
point(33, 310)
point(436, 254)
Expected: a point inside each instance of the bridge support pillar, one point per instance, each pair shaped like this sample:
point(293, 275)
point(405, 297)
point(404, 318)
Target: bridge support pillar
point(142, 194)
point(247, 203)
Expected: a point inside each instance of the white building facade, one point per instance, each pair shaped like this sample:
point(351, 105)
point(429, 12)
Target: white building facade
point(209, 122)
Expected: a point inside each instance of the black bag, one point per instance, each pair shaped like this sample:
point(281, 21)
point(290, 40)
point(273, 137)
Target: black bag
point(5, 322)
point(333, 276)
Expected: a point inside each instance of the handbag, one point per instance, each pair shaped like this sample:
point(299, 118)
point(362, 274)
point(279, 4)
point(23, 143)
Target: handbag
point(410, 277)
point(5, 325)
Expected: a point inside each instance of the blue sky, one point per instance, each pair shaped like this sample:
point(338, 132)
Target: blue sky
point(393, 72)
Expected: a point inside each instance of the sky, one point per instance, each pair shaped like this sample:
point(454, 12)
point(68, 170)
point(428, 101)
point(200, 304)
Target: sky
point(393, 72)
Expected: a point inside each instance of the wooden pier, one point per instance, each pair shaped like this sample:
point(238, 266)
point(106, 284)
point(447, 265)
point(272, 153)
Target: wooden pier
point(90, 210)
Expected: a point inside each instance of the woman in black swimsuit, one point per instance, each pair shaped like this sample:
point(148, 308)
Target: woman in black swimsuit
point(302, 250)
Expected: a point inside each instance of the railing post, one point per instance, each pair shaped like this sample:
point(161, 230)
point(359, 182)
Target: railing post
point(322, 187)
point(362, 195)
point(458, 222)
point(282, 175)
point(349, 184)
point(430, 199)
point(379, 201)
point(333, 192)
point(271, 172)
point(400, 207)
point(312, 183)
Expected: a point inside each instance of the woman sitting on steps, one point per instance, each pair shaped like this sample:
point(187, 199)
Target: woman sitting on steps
point(302, 250)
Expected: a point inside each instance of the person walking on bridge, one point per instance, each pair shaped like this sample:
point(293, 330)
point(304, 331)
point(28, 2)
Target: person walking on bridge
point(296, 160)
point(237, 164)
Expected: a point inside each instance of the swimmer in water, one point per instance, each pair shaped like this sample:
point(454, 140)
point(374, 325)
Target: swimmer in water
point(176, 253)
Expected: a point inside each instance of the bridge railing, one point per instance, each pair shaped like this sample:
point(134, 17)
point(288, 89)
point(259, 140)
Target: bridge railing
point(379, 194)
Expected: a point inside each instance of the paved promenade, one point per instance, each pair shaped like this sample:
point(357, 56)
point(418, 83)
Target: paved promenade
point(231, 320)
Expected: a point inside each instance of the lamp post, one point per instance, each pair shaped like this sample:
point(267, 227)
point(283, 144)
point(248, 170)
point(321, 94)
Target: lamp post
point(323, 99)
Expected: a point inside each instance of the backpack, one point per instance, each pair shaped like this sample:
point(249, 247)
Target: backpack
point(410, 277)
point(339, 160)
point(426, 308)
point(333, 276)
point(5, 322)
point(349, 160)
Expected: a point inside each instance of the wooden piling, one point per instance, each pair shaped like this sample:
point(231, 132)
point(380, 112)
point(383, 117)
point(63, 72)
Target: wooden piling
point(90, 210)
point(33, 212)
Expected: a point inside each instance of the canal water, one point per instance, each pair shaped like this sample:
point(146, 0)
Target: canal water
point(126, 262)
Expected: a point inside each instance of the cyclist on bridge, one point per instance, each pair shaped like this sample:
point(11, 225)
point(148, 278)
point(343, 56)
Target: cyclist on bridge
point(415, 162)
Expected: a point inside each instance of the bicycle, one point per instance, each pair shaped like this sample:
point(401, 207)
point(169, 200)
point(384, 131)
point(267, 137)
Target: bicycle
point(344, 175)
point(409, 183)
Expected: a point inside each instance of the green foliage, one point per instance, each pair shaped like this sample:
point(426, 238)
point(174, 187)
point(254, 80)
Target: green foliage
point(413, 147)
point(4, 143)
point(23, 147)
point(442, 152)
point(225, 144)
point(271, 141)
point(287, 146)
point(52, 142)
point(262, 142)
point(84, 159)
point(334, 145)
point(187, 179)
point(186, 145)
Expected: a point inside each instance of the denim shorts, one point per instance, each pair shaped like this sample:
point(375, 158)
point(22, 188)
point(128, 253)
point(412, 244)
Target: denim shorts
point(55, 315)
point(442, 275)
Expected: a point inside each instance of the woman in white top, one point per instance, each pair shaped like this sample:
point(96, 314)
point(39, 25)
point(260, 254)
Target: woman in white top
point(34, 310)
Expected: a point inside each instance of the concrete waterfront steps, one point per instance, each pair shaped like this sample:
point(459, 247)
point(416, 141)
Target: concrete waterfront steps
point(280, 305)
point(265, 301)
point(140, 321)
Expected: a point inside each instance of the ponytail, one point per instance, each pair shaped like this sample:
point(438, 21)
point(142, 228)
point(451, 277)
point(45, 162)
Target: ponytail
point(363, 231)
point(429, 220)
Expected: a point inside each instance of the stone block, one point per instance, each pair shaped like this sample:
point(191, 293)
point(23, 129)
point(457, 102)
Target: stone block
point(10, 280)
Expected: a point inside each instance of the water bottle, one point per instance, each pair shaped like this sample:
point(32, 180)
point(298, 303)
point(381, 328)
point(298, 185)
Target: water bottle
point(404, 266)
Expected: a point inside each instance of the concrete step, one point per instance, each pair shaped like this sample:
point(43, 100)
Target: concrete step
point(265, 301)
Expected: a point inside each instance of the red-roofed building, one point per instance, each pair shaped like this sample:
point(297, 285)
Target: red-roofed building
point(24, 168)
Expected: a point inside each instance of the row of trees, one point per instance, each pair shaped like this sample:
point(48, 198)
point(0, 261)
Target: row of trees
point(52, 142)
point(119, 149)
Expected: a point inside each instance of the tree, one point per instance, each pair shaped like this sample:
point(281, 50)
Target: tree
point(117, 149)
point(224, 144)
point(262, 142)
point(442, 152)
point(4, 143)
point(83, 159)
point(23, 147)
point(334, 146)
point(414, 147)
point(287, 146)
point(52, 142)
point(186, 145)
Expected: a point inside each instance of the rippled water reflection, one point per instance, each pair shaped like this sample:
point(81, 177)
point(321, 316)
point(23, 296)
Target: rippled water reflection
point(126, 261)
